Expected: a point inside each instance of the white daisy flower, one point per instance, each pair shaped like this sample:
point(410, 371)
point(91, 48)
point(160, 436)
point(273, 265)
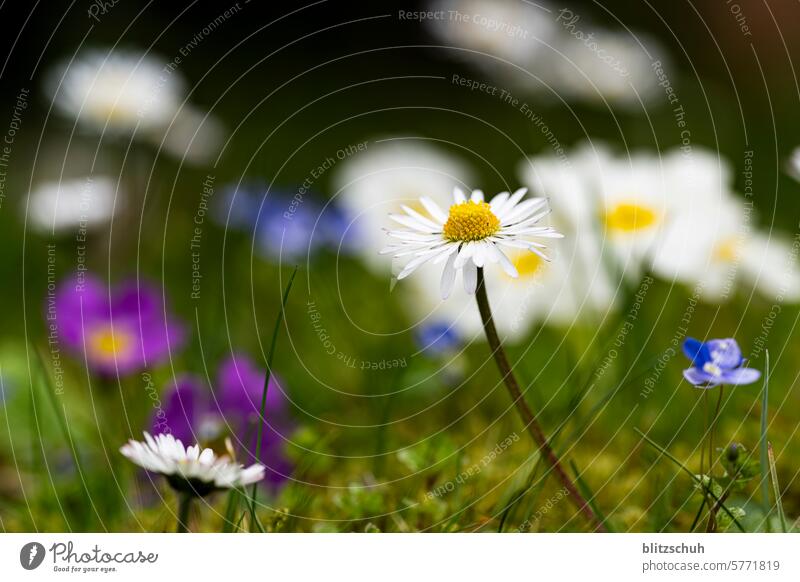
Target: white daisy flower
point(718, 247)
point(569, 184)
point(190, 470)
point(628, 202)
point(515, 31)
point(61, 206)
point(472, 234)
point(193, 136)
point(117, 91)
point(388, 174)
point(552, 50)
point(611, 67)
point(793, 164)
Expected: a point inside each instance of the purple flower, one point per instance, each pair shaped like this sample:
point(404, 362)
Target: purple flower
point(192, 413)
point(118, 331)
point(286, 225)
point(716, 362)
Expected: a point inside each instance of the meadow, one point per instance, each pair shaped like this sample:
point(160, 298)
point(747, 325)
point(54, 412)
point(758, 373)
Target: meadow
point(192, 237)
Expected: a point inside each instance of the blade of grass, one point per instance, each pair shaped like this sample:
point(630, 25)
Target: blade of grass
point(589, 495)
point(580, 425)
point(763, 461)
point(262, 411)
point(694, 477)
point(519, 494)
point(697, 515)
point(776, 488)
point(60, 414)
point(230, 511)
point(457, 500)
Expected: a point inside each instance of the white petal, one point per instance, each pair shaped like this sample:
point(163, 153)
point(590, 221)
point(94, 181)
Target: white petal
point(465, 254)
point(434, 209)
point(458, 195)
point(414, 236)
point(523, 210)
point(448, 277)
point(503, 209)
point(412, 222)
point(505, 262)
point(470, 275)
point(423, 219)
point(479, 256)
point(499, 200)
point(477, 196)
point(413, 264)
point(451, 248)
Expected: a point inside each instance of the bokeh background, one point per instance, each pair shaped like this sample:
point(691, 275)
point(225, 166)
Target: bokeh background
point(266, 137)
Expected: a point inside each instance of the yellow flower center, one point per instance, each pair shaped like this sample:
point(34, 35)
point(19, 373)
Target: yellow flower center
point(629, 217)
point(727, 250)
point(107, 343)
point(470, 221)
point(528, 265)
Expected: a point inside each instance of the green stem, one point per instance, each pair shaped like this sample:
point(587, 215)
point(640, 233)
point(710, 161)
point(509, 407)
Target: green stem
point(262, 411)
point(184, 505)
point(703, 444)
point(698, 481)
point(712, 513)
point(532, 426)
point(763, 461)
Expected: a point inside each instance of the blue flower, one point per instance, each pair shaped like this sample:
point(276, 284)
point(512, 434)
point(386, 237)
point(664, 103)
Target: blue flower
point(437, 338)
point(716, 362)
point(285, 225)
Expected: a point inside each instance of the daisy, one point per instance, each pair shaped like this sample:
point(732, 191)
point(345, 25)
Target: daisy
point(559, 292)
point(193, 136)
point(630, 203)
point(551, 50)
point(66, 205)
point(192, 412)
point(374, 183)
point(612, 67)
point(489, 30)
point(472, 234)
point(793, 164)
point(716, 248)
point(117, 91)
point(188, 469)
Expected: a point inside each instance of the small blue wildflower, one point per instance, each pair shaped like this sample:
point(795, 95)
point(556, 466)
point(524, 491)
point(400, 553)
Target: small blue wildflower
point(715, 362)
point(285, 226)
point(437, 338)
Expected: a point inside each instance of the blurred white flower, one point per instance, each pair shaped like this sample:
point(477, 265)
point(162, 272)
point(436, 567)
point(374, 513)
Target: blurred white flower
point(793, 164)
point(625, 202)
point(769, 263)
point(372, 184)
point(193, 135)
point(60, 206)
point(561, 51)
point(601, 65)
point(675, 214)
point(117, 91)
point(507, 29)
point(189, 469)
point(717, 248)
